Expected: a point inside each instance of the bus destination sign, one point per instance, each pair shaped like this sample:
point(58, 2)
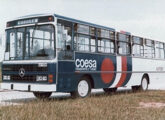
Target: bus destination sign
point(33, 20)
point(28, 21)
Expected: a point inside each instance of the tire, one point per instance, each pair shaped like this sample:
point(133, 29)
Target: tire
point(83, 88)
point(110, 90)
point(144, 84)
point(42, 95)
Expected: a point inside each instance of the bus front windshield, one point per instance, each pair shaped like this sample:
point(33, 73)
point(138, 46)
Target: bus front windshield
point(30, 43)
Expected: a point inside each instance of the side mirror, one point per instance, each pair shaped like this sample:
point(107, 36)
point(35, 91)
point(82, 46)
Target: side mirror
point(68, 47)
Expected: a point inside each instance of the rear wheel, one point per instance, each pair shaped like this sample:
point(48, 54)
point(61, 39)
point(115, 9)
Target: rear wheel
point(110, 90)
point(83, 88)
point(42, 95)
point(144, 84)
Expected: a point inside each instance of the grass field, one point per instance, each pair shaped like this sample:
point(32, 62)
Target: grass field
point(118, 106)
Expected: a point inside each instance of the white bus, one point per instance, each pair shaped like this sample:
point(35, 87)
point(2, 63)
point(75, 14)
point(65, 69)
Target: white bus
point(52, 53)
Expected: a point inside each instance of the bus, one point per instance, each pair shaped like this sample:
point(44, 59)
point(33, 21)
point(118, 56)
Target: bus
point(48, 53)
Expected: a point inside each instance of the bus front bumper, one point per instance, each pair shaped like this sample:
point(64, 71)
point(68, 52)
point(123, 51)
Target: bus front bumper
point(29, 87)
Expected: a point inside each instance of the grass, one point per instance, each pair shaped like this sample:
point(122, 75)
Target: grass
point(119, 106)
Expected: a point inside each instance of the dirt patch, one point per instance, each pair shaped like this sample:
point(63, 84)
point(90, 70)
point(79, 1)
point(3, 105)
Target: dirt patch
point(151, 105)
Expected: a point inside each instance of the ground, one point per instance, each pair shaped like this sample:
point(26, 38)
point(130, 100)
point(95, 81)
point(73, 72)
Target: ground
point(123, 105)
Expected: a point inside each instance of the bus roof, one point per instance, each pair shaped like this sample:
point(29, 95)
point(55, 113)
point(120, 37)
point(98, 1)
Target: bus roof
point(65, 18)
point(83, 22)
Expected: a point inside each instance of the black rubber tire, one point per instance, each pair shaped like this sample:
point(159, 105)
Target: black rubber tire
point(42, 95)
point(110, 90)
point(76, 94)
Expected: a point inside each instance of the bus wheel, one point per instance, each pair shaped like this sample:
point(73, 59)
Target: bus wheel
point(83, 88)
point(110, 90)
point(42, 95)
point(144, 84)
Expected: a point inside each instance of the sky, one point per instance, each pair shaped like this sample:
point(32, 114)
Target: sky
point(145, 18)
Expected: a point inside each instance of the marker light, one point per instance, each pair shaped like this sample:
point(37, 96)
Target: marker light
point(50, 18)
point(50, 78)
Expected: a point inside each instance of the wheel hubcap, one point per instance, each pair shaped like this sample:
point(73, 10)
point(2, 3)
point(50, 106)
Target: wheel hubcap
point(83, 88)
point(144, 84)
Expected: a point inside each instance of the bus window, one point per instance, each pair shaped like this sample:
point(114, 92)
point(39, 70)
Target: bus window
point(82, 29)
point(83, 43)
point(84, 38)
point(159, 52)
point(137, 46)
point(149, 50)
point(105, 46)
point(64, 36)
point(12, 45)
point(123, 44)
point(105, 41)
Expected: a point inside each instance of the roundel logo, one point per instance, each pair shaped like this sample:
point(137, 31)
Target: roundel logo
point(22, 72)
point(107, 70)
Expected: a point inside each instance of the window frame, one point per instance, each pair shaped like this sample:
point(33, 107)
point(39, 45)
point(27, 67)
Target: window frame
point(90, 36)
point(128, 42)
point(140, 44)
point(99, 37)
point(152, 46)
point(159, 48)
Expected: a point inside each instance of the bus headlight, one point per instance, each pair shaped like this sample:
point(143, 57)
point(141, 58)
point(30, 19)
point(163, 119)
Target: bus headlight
point(6, 77)
point(41, 78)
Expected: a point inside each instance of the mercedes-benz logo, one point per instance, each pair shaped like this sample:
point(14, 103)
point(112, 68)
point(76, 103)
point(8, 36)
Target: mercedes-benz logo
point(21, 72)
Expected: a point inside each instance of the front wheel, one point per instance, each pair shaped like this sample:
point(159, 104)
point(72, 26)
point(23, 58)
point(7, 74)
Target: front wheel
point(83, 88)
point(42, 95)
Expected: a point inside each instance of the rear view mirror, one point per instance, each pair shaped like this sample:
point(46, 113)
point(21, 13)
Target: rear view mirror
point(68, 47)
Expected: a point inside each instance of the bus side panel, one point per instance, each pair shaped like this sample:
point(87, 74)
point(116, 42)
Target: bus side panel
point(102, 68)
point(154, 68)
point(66, 76)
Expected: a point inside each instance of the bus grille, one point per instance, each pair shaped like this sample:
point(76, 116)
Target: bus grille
point(26, 78)
point(29, 68)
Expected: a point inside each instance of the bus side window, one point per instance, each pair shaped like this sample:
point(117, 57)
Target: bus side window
point(106, 42)
point(123, 44)
point(149, 50)
point(137, 46)
point(64, 34)
point(159, 50)
point(85, 38)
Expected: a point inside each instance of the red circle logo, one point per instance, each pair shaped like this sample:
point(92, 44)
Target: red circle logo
point(107, 70)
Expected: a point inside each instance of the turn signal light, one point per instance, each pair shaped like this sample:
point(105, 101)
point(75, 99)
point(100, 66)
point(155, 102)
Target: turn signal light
point(50, 18)
point(50, 78)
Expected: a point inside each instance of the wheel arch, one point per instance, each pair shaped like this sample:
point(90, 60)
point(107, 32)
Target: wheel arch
point(90, 79)
point(147, 76)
